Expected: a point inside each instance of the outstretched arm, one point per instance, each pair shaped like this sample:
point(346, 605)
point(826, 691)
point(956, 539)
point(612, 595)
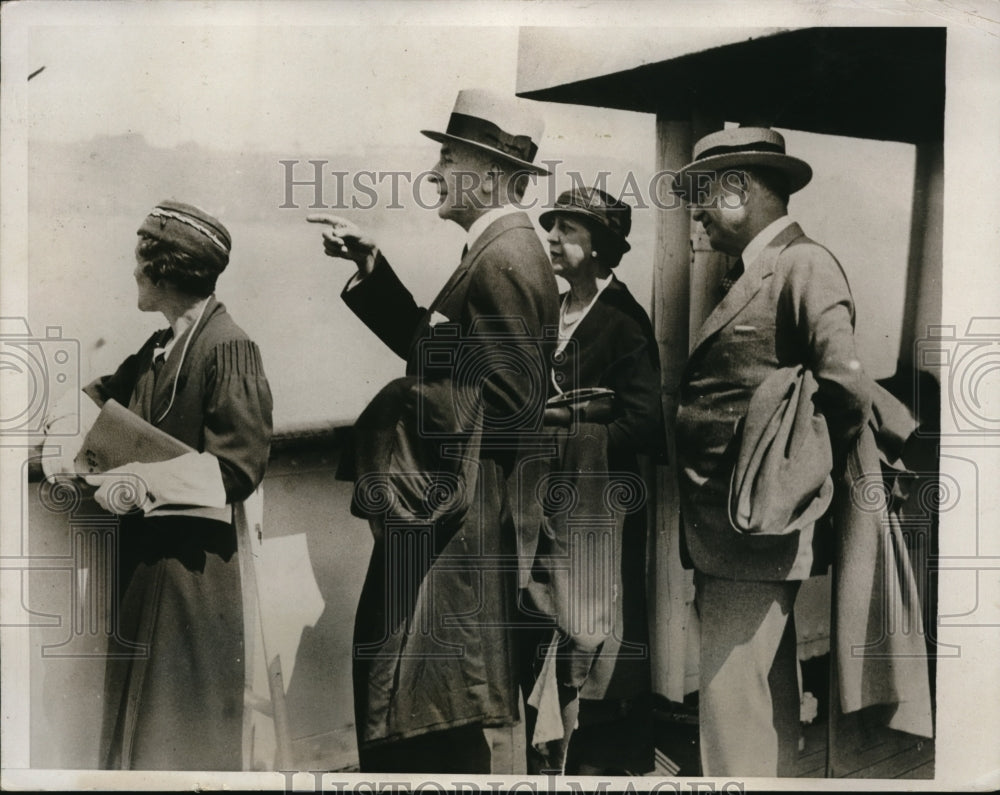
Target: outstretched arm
point(374, 292)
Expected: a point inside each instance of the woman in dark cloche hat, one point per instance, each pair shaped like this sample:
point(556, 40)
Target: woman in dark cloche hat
point(606, 381)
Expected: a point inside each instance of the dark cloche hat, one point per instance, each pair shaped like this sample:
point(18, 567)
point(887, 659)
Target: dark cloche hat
point(598, 207)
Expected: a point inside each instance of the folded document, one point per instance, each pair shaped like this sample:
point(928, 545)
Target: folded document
point(119, 436)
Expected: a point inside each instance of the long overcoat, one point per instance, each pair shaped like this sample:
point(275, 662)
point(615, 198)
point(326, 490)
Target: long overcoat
point(433, 643)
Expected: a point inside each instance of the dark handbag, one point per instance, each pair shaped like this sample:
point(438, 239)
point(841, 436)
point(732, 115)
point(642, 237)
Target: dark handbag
point(586, 404)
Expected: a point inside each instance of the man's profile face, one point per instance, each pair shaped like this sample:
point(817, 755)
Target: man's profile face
point(720, 206)
point(459, 176)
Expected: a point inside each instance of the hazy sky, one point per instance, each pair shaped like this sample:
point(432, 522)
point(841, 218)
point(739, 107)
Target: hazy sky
point(251, 87)
point(315, 79)
point(307, 82)
point(287, 89)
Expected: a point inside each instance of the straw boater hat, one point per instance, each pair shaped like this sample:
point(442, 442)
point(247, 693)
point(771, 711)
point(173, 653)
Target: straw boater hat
point(742, 146)
point(495, 123)
point(596, 206)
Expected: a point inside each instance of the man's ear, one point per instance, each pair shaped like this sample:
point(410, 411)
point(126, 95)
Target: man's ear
point(743, 179)
point(735, 185)
point(491, 178)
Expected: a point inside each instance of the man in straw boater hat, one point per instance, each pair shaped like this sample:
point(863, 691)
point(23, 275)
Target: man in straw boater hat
point(784, 305)
point(434, 653)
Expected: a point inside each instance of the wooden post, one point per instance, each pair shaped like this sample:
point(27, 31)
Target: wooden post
point(683, 281)
point(282, 728)
point(671, 590)
point(923, 274)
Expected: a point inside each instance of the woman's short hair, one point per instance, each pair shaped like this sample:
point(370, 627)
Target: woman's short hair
point(607, 245)
point(189, 273)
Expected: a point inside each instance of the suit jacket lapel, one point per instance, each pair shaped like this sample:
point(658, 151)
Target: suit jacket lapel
point(453, 281)
point(490, 234)
point(747, 287)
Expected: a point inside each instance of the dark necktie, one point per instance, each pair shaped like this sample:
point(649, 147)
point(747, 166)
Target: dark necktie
point(731, 277)
point(465, 250)
point(159, 353)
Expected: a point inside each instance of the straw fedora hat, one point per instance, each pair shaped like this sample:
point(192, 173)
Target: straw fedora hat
point(495, 123)
point(742, 146)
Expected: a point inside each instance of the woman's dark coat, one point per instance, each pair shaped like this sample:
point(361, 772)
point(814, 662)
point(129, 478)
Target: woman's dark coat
point(175, 675)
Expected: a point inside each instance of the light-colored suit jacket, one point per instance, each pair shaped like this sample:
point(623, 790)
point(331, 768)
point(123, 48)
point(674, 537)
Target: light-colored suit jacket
point(792, 306)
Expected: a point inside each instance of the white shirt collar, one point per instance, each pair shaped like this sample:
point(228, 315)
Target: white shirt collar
point(756, 246)
point(484, 220)
point(171, 341)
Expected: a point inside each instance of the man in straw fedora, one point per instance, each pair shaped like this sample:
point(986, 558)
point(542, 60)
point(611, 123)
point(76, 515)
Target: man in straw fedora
point(785, 303)
point(434, 655)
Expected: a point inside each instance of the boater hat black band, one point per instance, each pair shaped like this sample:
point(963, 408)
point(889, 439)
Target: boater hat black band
point(741, 147)
point(730, 150)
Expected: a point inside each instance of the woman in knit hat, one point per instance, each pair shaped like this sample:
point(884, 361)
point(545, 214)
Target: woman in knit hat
point(175, 675)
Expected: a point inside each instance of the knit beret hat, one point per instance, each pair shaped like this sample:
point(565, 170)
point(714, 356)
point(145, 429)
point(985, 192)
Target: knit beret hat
point(190, 229)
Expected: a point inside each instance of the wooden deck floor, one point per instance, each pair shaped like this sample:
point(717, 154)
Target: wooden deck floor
point(865, 750)
point(881, 754)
